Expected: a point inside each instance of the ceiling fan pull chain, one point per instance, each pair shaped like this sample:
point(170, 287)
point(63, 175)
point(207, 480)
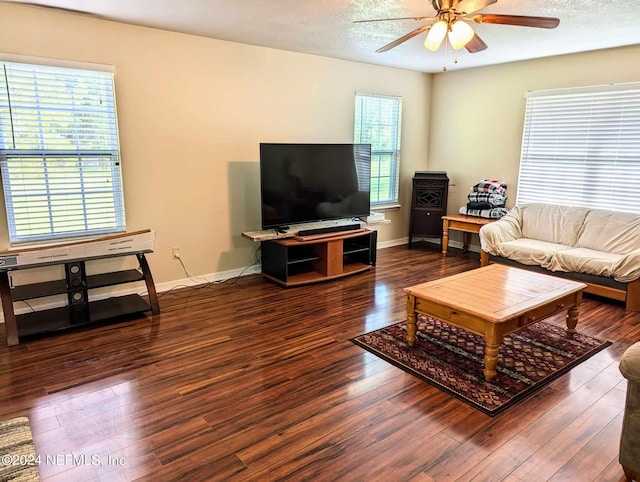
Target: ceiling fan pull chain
point(455, 56)
point(446, 54)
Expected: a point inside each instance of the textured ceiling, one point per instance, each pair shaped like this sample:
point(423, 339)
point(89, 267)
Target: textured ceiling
point(325, 27)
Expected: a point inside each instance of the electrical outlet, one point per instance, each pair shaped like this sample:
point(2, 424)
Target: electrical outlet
point(175, 252)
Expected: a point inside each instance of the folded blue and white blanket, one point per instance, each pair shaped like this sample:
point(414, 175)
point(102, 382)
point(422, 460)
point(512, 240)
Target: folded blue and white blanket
point(487, 197)
point(494, 213)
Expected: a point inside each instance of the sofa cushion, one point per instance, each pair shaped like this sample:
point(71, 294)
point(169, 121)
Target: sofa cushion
point(614, 232)
point(628, 268)
point(551, 223)
point(529, 251)
point(506, 229)
point(584, 260)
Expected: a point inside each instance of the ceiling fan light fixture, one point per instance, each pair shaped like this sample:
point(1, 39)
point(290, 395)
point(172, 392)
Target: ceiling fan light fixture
point(460, 34)
point(436, 35)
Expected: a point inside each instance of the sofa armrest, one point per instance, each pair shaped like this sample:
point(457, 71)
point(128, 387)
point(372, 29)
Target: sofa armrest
point(508, 228)
point(628, 268)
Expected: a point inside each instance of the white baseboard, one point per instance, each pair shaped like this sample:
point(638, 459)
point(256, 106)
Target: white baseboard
point(139, 288)
point(393, 242)
point(206, 278)
point(452, 244)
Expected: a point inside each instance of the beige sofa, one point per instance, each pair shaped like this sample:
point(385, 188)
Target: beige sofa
point(598, 247)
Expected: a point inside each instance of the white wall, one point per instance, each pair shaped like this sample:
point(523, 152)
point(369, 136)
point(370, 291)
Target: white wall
point(192, 112)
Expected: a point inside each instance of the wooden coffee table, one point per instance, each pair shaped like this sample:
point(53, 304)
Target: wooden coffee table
point(492, 302)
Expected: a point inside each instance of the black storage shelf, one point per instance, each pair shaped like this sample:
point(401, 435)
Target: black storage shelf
point(110, 279)
point(301, 254)
point(303, 260)
point(62, 318)
point(80, 309)
point(356, 250)
point(58, 287)
point(39, 290)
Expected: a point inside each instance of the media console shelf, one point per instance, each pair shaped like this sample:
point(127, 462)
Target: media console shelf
point(293, 262)
point(80, 310)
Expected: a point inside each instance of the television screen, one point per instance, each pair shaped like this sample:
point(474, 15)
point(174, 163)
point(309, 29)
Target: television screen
point(313, 182)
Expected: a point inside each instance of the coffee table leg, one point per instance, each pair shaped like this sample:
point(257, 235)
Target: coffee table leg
point(412, 328)
point(572, 321)
point(493, 338)
point(491, 352)
point(412, 319)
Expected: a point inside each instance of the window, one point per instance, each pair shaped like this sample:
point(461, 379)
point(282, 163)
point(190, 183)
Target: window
point(377, 122)
point(581, 147)
point(59, 153)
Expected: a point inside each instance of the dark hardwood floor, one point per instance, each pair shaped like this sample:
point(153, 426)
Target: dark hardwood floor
point(252, 381)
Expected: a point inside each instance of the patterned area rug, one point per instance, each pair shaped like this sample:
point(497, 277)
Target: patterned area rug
point(18, 460)
point(452, 359)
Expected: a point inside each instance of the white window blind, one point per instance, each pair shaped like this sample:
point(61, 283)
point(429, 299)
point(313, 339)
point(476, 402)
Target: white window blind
point(581, 147)
point(59, 153)
point(377, 122)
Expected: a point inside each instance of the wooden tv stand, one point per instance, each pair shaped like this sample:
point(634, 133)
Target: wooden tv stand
point(311, 259)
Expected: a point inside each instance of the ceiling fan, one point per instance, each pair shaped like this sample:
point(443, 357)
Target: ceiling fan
point(451, 21)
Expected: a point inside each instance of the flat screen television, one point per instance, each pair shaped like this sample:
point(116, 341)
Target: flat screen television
point(313, 182)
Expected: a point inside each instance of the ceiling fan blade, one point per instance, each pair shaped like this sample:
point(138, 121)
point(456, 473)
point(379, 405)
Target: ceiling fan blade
point(404, 38)
point(519, 20)
point(465, 7)
point(476, 44)
point(419, 19)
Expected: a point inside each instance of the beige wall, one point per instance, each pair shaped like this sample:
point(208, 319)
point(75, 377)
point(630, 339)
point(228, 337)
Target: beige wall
point(192, 112)
point(477, 115)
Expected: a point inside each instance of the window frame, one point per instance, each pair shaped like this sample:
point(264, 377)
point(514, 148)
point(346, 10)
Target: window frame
point(59, 152)
point(583, 144)
point(392, 152)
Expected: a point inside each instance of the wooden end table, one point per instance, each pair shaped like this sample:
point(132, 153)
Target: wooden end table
point(492, 302)
point(459, 222)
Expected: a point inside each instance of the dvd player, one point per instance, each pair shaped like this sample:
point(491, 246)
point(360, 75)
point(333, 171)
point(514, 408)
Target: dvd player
point(329, 229)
